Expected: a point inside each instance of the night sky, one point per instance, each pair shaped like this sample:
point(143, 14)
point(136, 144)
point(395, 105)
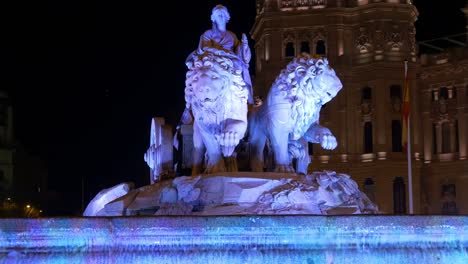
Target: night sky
point(85, 78)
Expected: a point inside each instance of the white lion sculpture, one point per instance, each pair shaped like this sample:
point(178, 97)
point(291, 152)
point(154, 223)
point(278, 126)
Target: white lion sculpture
point(290, 115)
point(217, 96)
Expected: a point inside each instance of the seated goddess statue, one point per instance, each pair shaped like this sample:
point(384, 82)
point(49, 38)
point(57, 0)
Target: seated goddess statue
point(223, 43)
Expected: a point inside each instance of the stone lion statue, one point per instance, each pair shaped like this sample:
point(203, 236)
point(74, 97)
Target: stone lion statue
point(217, 97)
point(290, 116)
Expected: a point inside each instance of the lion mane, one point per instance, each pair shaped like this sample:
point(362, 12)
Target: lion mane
point(217, 100)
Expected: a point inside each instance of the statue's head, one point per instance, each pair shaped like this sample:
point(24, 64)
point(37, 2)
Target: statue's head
point(308, 77)
point(220, 14)
point(325, 83)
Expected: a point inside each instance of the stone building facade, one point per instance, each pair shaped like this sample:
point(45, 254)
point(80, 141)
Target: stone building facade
point(367, 43)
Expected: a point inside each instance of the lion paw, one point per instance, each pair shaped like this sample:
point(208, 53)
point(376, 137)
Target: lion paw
point(284, 168)
point(228, 142)
point(328, 141)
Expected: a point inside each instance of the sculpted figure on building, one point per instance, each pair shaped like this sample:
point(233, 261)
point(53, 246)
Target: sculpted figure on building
point(290, 115)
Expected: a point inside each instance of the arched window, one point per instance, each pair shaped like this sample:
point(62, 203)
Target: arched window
point(443, 93)
point(395, 91)
point(366, 93)
point(449, 205)
point(320, 48)
point(368, 145)
point(305, 47)
point(289, 50)
point(396, 136)
point(369, 189)
point(399, 196)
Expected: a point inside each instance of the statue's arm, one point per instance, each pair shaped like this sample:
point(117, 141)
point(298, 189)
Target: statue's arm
point(243, 49)
point(322, 135)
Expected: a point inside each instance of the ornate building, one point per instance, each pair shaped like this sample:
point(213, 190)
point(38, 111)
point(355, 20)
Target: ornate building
point(367, 42)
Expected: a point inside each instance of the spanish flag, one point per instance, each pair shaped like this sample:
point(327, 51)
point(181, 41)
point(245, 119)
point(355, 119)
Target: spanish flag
point(405, 110)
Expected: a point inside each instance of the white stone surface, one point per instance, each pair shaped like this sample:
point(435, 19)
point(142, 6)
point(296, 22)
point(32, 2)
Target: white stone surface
point(106, 196)
point(323, 193)
point(159, 155)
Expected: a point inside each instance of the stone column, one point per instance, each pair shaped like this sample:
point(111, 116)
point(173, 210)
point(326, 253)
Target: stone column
point(427, 126)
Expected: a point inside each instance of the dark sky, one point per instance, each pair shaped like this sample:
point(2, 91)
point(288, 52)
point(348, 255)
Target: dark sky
point(86, 77)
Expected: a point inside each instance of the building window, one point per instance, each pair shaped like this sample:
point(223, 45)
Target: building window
point(289, 50)
point(396, 136)
point(305, 47)
point(446, 137)
point(434, 138)
point(399, 196)
point(369, 189)
point(368, 146)
point(456, 137)
point(449, 205)
point(395, 91)
point(366, 93)
point(320, 48)
point(443, 93)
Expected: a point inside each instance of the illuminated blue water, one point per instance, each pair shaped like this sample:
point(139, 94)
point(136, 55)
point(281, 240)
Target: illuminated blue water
point(236, 239)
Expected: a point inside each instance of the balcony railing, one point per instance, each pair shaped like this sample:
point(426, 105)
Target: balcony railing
point(302, 4)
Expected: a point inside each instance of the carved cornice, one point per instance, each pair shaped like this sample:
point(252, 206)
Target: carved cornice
point(449, 69)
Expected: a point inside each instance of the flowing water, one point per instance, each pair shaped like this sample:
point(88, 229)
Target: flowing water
point(236, 239)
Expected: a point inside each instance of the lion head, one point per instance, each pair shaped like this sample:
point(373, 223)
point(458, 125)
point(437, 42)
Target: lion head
point(214, 90)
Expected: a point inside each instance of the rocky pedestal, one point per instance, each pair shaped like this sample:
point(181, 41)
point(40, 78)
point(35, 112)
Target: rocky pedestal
point(244, 193)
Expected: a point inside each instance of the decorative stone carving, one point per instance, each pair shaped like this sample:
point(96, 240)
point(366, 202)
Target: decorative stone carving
point(379, 39)
point(292, 111)
point(159, 155)
point(449, 70)
point(412, 39)
point(394, 40)
point(363, 42)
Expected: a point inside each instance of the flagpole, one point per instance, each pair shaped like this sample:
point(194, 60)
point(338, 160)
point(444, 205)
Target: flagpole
point(408, 149)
